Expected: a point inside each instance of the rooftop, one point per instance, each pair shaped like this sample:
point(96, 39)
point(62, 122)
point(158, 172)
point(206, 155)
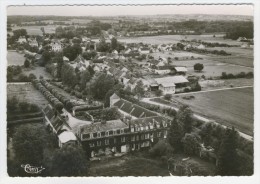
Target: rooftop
point(103, 126)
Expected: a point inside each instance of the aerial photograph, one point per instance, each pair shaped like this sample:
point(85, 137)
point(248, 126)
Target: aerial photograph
point(130, 90)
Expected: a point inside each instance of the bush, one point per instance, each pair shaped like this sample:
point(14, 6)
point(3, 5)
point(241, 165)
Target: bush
point(158, 92)
point(26, 63)
point(161, 148)
point(198, 67)
point(168, 97)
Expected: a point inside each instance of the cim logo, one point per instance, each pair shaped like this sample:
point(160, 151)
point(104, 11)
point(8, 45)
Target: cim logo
point(32, 169)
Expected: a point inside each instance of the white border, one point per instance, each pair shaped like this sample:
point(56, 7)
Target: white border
point(201, 180)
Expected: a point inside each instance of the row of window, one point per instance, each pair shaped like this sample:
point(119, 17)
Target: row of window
point(107, 142)
point(104, 134)
point(133, 138)
point(150, 127)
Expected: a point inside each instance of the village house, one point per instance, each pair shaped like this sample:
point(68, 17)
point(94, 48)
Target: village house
point(144, 50)
point(58, 126)
point(168, 84)
point(22, 39)
point(56, 46)
point(179, 70)
point(80, 63)
point(33, 42)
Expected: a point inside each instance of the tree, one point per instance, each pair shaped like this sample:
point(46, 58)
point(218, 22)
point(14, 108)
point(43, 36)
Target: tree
point(26, 63)
point(161, 148)
point(102, 45)
point(29, 142)
point(89, 55)
point(191, 144)
point(46, 55)
point(84, 78)
point(228, 161)
point(101, 85)
point(206, 133)
point(69, 161)
point(114, 44)
point(139, 88)
point(168, 97)
point(72, 51)
point(184, 117)
point(158, 92)
point(175, 135)
point(198, 67)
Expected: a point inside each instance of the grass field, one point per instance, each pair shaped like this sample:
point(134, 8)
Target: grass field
point(176, 38)
point(36, 30)
point(14, 58)
point(38, 71)
point(217, 69)
point(26, 92)
point(233, 107)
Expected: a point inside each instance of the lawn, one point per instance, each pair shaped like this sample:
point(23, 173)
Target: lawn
point(26, 92)
point(15, 58)
point(233, 107)
point(129, 165)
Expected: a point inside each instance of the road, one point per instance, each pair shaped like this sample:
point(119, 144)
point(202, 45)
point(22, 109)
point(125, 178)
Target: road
point(199, 117)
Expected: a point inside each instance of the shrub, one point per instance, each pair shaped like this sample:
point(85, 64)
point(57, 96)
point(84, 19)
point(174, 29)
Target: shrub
point(198, 67)
point(162, 148)
point(26, 63)
point(158, 92)
point(168, 97)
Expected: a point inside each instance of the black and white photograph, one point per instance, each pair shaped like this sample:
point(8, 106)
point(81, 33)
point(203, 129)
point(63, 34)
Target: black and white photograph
point(125, 90)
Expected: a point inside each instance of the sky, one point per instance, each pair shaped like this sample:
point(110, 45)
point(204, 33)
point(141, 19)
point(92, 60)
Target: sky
point(130, 10)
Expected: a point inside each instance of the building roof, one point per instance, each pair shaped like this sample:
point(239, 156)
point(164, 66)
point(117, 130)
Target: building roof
point(67, 136)
point(158, 120)
point(171, 80)
point(103, 126)
point(133, 109)
point(180, 69)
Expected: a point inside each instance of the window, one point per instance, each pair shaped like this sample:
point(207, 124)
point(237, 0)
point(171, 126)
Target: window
point(137, 128)
point(122, 131)
point(132, 129)
point(94, 135)
point(133, 138)
point(118, 131)
point(122, 139)
point(146, 136)
point(91, 135)
point(158, 134)
point(111, 132)
point(85, 136)
point(106, 141)
point(151, 126)
point(142, 137)
point(91, 145)
point(107, 133)
point(98, 134)
point(137, 137)
point(98, 143)
point(114, 140)
point(114, 132)
point(142, 128)
point(146, 128)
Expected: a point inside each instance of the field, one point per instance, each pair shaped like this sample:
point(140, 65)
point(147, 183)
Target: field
point(36, 30)
point(239, 56)
point(37, 71)
point(234, 107)
point(217, 69)
point(14, 58)
point(176, 38)
point(26, 92)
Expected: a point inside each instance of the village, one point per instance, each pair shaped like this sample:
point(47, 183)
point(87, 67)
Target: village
point(114, 96)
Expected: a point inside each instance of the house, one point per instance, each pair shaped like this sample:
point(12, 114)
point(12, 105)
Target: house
point(56, 123)
point(33, 42)
point(242, 39)
point(161, 70)
point(115, 52)
point(200, 46)
point(144, 50)
point(56, 46)
point(129, 109)
point(104, 138)
point(179, 70)
point(168, 84)
point(80, 63)
point(65, 59)
point(22, 39)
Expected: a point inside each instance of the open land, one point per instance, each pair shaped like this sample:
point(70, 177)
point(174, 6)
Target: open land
point(234, 107)
point(15, 58)
point(26, 92)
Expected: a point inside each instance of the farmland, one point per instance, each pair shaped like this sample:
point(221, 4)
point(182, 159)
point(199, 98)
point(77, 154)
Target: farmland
point(234, 107)
point(165, 39)
point(14, 58)
point(26, 92)
point(36, 30)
